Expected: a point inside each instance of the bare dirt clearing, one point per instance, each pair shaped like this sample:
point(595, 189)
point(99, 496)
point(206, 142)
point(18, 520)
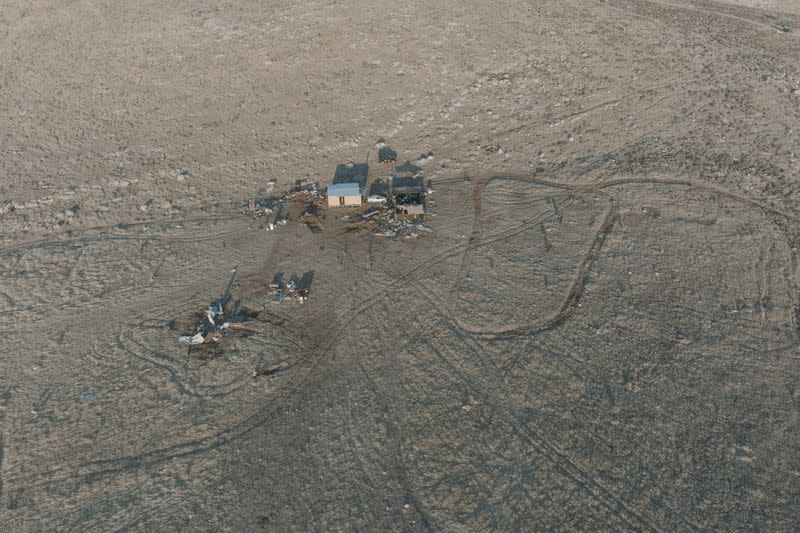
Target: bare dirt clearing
point(600, 332)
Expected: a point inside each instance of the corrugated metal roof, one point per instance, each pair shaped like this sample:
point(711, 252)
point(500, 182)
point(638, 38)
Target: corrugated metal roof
point(344, 189)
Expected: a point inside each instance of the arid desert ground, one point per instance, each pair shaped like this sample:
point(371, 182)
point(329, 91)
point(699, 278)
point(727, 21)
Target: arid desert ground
point(601, 331)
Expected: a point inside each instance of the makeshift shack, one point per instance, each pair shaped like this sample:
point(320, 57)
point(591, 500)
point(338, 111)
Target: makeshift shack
point(343, 195)
point(408, 190)
point(408, 193)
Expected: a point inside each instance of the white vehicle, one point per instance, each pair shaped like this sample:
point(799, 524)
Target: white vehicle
point(377, 199)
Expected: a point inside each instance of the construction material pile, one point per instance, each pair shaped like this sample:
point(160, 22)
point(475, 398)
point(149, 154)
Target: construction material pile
point(399, 229)
point(277, 208)
point(287, 292)
point(386, 222)
point(271, 208)
point(211, 328)
point(263, 206)
point(220, 318)
point(313, 213)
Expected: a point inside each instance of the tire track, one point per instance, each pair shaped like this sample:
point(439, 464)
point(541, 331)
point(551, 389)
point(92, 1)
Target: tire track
point(322, 340)
point(384, 394)
point(571, 298)
point(551, 452)
point(44, 243)
point(107, 238)
point(579, 476)
point(574, 293)
point(477, 229)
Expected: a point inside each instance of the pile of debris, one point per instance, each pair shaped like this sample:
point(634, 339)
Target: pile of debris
point(383, 221)
point(273, 208)
point(292, 290)
point(305, 184)
point(270, 207)
point(399, 229)
point(313, 214)
point(221, 317)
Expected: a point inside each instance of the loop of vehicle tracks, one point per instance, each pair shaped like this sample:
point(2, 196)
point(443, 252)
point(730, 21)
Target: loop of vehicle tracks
point(319, 342)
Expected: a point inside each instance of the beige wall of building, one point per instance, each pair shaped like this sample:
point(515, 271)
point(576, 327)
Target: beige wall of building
point(343, 201)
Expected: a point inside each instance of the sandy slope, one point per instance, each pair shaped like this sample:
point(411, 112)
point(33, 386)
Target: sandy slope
point(601, 332)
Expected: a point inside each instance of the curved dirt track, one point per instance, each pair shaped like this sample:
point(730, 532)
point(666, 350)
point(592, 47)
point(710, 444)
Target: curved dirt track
point(308, 361)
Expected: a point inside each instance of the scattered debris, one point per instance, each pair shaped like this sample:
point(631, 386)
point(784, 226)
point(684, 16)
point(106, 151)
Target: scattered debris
point(369, 213)
point(419, 226)
point(263, 206)
point(384, 221)
point(294, 289)
point(274, 369)
point(222, 316)
point(396, 204)
point(313, 218)
point(193, 340)
point(274, 207)
point(305, 184)
point(363, 224)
